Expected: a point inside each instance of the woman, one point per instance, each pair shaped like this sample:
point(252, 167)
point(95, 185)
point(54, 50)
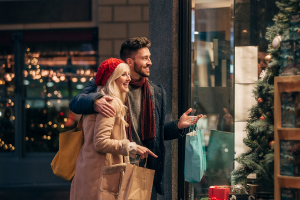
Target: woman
point(105, 141)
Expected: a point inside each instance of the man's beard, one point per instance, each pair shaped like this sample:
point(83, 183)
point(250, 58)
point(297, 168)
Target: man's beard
point(139, 71)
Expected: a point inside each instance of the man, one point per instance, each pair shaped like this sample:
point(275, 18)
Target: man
point(146, 109)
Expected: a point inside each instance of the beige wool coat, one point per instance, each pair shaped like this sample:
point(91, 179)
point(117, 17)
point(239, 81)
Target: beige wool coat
point(104, 145)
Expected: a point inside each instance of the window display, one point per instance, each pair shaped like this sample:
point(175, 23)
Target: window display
point(212, 90)
point(7, 109)
point(53, 74)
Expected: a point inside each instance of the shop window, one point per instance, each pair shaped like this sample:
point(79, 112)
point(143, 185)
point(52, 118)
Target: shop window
point(36, 11)
point(7, 109)
point(40, 72)
point(212, 89)
point(53, 74)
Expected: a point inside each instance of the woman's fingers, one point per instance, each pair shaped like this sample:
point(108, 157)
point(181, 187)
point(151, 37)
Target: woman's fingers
point(143, 152)
point(152, 154)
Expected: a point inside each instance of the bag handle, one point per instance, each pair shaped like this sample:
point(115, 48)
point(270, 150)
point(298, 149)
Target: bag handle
point(79, 125)
point(139, 162)
point(191, 124)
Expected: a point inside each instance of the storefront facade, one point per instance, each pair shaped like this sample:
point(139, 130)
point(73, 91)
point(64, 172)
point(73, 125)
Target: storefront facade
point(217, 50)
point(206, 54)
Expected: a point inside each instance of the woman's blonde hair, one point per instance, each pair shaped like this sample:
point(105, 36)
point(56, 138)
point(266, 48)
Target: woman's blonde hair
point(111, 89)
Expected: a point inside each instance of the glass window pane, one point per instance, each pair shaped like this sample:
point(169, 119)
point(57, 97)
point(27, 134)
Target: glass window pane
point(212, 89)
point(53, 74)
point(7, 126)
point(58, 71)
point(45, 119)
point(7, 72)
point(7, 88)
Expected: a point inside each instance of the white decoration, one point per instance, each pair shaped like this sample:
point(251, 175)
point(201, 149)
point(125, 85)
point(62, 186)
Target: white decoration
point(233, 197)
point(246, 69)
point(276, 42)
point(263, 74)
point(244, 100)
point(251, 197)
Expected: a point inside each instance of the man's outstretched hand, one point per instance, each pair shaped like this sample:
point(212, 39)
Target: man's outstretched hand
point(102, 106)
point(185, 120)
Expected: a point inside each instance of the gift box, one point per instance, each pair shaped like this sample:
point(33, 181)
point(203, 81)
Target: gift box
point(219, 192)
point(242, 197)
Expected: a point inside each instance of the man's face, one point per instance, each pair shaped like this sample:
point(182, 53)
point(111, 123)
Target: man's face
point(142, 62)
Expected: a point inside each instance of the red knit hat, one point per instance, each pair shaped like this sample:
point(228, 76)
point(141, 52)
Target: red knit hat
point(105, 70)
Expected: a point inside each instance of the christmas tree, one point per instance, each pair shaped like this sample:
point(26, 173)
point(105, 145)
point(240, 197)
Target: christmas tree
point(259, 159)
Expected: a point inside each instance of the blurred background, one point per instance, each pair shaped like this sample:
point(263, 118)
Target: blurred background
point(49, 51)
point(207, 54)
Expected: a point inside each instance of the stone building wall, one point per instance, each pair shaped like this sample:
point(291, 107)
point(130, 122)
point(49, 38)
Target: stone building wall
point(119, 20)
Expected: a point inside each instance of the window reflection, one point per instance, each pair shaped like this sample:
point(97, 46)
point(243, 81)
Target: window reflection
point(45, 119)
point(7, 105)
point(53, 74)
point(212, 88)
point(7, 130)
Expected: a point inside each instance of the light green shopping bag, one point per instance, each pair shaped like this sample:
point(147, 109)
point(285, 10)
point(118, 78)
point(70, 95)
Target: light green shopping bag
point(195, 158)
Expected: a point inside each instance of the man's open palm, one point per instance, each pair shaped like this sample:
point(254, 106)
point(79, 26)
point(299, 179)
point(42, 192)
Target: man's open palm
point(185, 120)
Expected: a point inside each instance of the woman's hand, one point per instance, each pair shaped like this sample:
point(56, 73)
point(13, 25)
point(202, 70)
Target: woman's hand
point(143, 152)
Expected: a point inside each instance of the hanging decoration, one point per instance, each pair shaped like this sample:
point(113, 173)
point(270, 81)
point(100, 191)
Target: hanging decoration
point(276, 42)
point(260, 100)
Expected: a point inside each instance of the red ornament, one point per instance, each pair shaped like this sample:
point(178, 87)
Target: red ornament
point(262, 118)
point(271, 143)
point(260, 100)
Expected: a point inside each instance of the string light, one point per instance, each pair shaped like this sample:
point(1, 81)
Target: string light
point(62, 78)
point(83, 79)
point(74, 79)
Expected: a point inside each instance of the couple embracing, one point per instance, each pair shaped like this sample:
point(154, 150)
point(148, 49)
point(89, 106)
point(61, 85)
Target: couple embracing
point(123, 112)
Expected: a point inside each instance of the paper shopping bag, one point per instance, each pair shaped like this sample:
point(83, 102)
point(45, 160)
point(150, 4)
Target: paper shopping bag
point(70, 142)
point(137, 183)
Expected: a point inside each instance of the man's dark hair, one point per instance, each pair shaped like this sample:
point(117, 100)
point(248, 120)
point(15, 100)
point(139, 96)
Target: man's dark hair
point(131, 46)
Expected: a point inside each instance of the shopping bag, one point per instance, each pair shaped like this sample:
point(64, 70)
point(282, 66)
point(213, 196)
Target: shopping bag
point(70, 142)
point(137, 183)
point(195, 158)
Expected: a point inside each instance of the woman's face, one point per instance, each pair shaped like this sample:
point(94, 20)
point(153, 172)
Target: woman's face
point(123, 81)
